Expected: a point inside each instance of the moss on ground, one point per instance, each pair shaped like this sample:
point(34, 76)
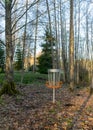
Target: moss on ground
point(9, 88)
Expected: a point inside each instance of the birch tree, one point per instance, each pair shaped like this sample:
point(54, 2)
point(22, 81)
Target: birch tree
point(8, 5)
point(24, 43)
point(34, 67)
point(8, 86)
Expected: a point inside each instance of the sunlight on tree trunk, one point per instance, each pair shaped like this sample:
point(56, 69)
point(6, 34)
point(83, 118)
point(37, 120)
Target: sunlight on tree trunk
point(8, 85)
point(24, 44)
point(77, 41)
point(71, 47)
point(35, 44)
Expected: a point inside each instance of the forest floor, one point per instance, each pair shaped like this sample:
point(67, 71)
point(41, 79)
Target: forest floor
point(34, 110)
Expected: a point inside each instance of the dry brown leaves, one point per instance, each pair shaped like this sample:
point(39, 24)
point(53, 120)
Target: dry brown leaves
point(34, 110)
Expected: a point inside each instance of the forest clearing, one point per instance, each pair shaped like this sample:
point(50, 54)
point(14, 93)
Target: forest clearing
point(46, 64)
point(34, 110)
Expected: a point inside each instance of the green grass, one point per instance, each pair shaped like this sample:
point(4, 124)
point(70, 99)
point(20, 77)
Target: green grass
point(28, 78)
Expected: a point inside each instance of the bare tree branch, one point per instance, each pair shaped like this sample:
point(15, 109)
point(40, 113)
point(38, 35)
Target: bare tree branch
point(2, 31)
point(35, 18)
point(24, 13)
point(13, 3)
point(2, 4)
point(2, 42)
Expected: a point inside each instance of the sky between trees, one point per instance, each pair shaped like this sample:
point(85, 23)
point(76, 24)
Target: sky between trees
point(83, 22)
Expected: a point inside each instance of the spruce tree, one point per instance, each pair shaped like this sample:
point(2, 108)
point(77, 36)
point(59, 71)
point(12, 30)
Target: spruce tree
point(45, 59)
point(18, 57)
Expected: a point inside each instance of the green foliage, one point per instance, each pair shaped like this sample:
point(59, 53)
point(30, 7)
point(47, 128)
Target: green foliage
point(31, 68)
point(45, 59)
point(18, 57)
point(45, 63)
point(29, 78)
point(2, 58)
point(83, 74)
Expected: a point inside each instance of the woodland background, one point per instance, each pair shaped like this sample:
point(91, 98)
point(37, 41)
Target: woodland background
point(36, 35)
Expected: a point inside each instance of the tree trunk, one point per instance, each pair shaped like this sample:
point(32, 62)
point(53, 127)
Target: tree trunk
point(77, 40)
point(50, 28)
point(9, 45)
point(63, 44)
point(56, 37)
point(8, 86)
point(91, 86)
point(24, 45)
point(71, 47)
point(34, 67)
